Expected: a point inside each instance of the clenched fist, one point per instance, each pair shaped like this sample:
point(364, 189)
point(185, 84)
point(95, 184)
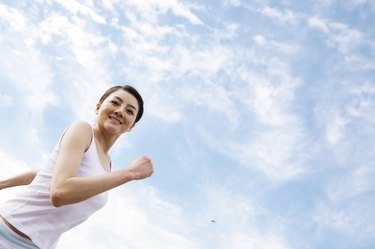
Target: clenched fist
point(141, 168)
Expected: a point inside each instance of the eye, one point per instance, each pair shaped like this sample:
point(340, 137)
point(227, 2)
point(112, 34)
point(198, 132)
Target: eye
point(114, 102)
point(130, 112)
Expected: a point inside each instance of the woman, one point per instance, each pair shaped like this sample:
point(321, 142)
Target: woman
point(75, 181)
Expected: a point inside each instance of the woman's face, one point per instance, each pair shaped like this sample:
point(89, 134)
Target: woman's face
point(118, 111)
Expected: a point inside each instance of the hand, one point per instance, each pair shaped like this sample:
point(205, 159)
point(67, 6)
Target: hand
point(141, 168)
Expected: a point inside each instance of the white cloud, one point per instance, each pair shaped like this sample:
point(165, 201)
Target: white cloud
point(151, 9)
point(14, 18)
point(109, 5)
point(361, 107)
point(351, 5)
point(344, 38)
point(274, 137)
point(19, 50)
point(326, 2)
point(348, 209)
point(260, 40)
point(276, 46)
point(338, 35)
point(318, 23)
point(78, 8)
point(285, 47)
point(162, 108)
point(360, 62)
point(274, 141)
point(21, 54)
point(230, 32)
point(238, 219)
point(74, 35)
point(213, 97)
point(11, 166)
point(255, 241)
point(84, 61)
point(280, 15)
point(231, 210)
point(271, 93)
point(148, 53)
point(337, 116)
point(334, 127)
point(6, 100)
point(270, 152)
point(234, 3)
point(205, 61)
point(352, 185)
point(266, 103)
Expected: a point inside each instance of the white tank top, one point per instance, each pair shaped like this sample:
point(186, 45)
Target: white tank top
point(32, 212)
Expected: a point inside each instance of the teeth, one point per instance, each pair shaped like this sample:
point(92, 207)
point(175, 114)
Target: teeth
point(115, 119)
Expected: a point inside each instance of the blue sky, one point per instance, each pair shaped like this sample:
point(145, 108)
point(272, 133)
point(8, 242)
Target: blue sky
point(258, 114)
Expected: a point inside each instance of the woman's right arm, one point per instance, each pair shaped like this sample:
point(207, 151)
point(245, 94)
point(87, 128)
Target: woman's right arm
point(67, 188)
point(22, 179)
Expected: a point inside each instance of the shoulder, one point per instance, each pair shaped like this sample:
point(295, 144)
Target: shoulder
point(81, 125)
point(79, 132)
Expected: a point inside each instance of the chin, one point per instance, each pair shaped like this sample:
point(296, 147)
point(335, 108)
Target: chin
point(115, 129)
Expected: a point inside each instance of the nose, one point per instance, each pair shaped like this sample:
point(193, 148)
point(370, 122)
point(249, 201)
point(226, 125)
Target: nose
point(119, 113)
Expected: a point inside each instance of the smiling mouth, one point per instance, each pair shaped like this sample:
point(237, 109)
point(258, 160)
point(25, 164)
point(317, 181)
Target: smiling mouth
point(115, 119)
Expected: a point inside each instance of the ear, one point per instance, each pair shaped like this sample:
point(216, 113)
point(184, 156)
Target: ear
point(97, 108)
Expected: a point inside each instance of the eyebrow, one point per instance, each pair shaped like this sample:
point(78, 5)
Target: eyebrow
point(120, 100)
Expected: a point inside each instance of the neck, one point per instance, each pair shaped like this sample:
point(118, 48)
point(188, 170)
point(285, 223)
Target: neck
point(105, 140)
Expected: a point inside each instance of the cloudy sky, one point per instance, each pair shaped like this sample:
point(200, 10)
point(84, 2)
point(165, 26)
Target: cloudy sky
point(259, 116)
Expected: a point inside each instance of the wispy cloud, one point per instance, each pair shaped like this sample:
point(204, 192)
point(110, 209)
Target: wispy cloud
point(316, 22)
point(14, 18)
point(244, 241)
point(277, 47)
point(6, 100)
point(232, 2)
point(363, 102)
point(236, 221)
point(79, 8)
point(286, 15)
point(19, 51)
point(345, 210)
point(151, 9)
point(335, 127)
point(339, 35)
point(85, 51)
point(353, 4)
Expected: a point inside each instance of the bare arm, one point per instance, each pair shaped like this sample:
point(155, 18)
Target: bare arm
point(22, 179)
point(67, 188)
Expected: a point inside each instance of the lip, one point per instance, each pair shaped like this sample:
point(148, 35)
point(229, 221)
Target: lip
point(116, 119)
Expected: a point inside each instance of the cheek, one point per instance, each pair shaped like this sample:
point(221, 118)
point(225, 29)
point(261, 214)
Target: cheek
point(133, 118)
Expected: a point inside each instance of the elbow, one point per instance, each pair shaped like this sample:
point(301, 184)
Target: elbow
point(57, 198)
